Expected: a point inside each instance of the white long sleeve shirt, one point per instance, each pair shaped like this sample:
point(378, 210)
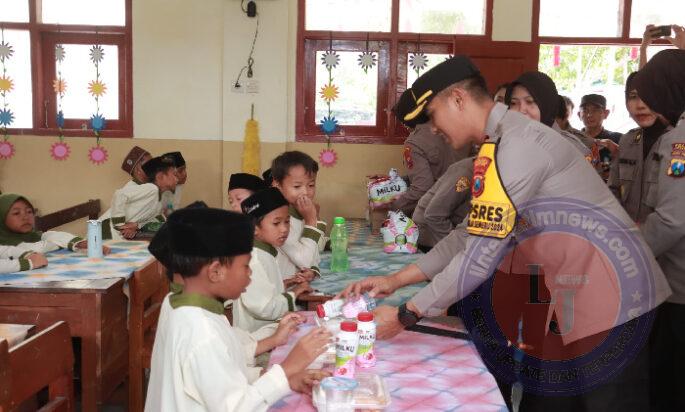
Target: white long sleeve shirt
point(301, 249)
point(139, 203)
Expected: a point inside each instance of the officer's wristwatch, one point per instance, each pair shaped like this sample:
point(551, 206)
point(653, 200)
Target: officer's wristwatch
point(406, 317)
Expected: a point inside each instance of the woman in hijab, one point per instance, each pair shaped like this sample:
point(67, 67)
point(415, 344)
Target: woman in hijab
point(661, 85)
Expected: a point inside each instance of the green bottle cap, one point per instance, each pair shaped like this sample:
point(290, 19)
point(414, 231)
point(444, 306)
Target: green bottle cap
point(339, 221)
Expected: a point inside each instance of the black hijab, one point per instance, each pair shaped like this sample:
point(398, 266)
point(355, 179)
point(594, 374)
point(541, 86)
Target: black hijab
point(661, 84)
point(649, 134)
point(544, 92)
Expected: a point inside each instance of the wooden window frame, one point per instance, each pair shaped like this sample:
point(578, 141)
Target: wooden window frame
point(391, 80)
point(43, 38)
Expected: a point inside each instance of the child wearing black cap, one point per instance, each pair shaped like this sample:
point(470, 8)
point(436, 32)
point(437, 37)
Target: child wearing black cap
point(240, 187)
point(266, 299)
point(139, 207)
point(198, 362)
point(171, 200)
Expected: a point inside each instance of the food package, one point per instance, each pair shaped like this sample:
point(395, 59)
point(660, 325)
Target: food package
point(400, 234)
point(383, 190)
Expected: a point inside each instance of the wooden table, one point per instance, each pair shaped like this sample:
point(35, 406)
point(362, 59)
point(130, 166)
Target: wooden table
point(95, 311)
point(15, 334)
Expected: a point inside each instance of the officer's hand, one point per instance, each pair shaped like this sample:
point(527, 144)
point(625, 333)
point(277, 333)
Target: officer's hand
point(609, 144)
point(387, 323)
point(648, 36)
point(376, 286)
point(678, 39)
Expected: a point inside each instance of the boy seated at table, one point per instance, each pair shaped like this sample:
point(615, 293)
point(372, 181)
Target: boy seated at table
point(266, 300)
point(17, 228)
point(139, 208)
point(198, 362)
point(171, 200)
point(294, 174)
point(240, 187)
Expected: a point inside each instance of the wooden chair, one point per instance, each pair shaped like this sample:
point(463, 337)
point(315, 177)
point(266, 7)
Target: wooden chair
point(148, 287)
point(43, 360)
point(4, 376)
point(90, 209)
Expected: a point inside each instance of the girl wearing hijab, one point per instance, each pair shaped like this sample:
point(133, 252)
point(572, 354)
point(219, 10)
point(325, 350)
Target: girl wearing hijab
point(535, 95)
point(17, 222)
point(627, 179)
point(661, 85)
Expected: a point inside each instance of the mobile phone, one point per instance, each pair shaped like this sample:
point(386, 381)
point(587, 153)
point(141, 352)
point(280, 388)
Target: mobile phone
point(662, 31)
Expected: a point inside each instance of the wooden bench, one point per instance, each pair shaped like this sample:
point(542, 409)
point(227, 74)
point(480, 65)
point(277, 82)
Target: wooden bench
point(89, 209)
point(148, 287)
point(44, 360)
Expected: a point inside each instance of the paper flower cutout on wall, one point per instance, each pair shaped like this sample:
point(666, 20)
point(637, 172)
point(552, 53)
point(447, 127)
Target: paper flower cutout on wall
point(6, 117)
point(367, 60)
point(6, 51)
point(59, 86)
point(6, 150)
point(60, 53)
point(6, 84)
point(329, 125)
point(97, 155)
point(96, 54)
point(418, 61)
point(97, 122)
point(328, 158)
point(60, 119)
point(60, 151)
point(97, 88)
point(330, 59)
point(329, 92)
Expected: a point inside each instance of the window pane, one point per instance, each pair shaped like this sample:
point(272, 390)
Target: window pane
point(79, 71)
point(19, 99)
point(348, 15)
point(14, 10)
point(90, 12)
point(440, 16)
point(580, 18)
point(357, 91)
point(433, 60)
point(580, 70)
point(657, 12)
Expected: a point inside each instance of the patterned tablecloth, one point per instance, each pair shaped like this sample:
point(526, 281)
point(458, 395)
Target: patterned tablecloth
point(366, 259)
point(126, 257)
point(422, 373)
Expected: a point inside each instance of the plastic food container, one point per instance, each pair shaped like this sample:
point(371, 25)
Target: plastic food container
point(370, 393)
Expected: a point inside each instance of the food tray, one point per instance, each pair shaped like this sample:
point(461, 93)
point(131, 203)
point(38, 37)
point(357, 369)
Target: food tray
point(371, 393)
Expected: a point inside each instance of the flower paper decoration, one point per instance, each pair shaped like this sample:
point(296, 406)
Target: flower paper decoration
point(60, 53)
point(96, 54)
point(367, 60)
point(330, 59)
point(6, 51)
point(328, 158)
point(6, 84)
point(97, 155)
point(6, 117)
point(97, 123)
point(329, 125)
point(6, 150)
point(329, 92)
point(59, 85)
point(97, 88)
point(418, 61)
point(60, 151)
point(60, 119)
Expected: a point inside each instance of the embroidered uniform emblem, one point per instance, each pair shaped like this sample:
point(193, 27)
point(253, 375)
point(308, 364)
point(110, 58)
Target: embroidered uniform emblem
point(462, 185)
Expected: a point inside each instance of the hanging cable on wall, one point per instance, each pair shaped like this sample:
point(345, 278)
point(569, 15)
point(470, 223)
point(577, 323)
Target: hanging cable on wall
point(251, 11)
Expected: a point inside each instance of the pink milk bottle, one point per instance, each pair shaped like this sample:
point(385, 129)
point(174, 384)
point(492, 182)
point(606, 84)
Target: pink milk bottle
point(366, 329)
point(346, 349)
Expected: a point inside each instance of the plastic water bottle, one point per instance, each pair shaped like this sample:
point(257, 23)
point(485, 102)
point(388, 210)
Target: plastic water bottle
point(339, 259)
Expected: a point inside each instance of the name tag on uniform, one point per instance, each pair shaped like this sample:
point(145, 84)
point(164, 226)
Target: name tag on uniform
point(492, 212)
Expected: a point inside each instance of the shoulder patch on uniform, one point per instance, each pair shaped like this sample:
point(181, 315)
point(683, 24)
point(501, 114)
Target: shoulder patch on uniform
point(408, 161)
point(462, 185)
point(677, 166)
point(480, 166)
point(678, 150)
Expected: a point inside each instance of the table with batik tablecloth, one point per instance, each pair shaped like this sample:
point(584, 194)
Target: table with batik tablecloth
point(422, 372)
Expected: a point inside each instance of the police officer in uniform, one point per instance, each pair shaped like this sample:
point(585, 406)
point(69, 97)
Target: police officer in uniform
point(445, 205)
point(661, 85)
point(520, 161)
point(426, 157)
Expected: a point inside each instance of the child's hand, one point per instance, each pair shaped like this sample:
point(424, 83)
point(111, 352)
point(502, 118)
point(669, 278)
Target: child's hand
point(302, 288)
point(128, 230)
point(303, 382)
point(286, 327)
point(106, 250)
point(38, 260)
point(295, 280)
point(308, 348)
point(306, 274)
point(306, 207)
